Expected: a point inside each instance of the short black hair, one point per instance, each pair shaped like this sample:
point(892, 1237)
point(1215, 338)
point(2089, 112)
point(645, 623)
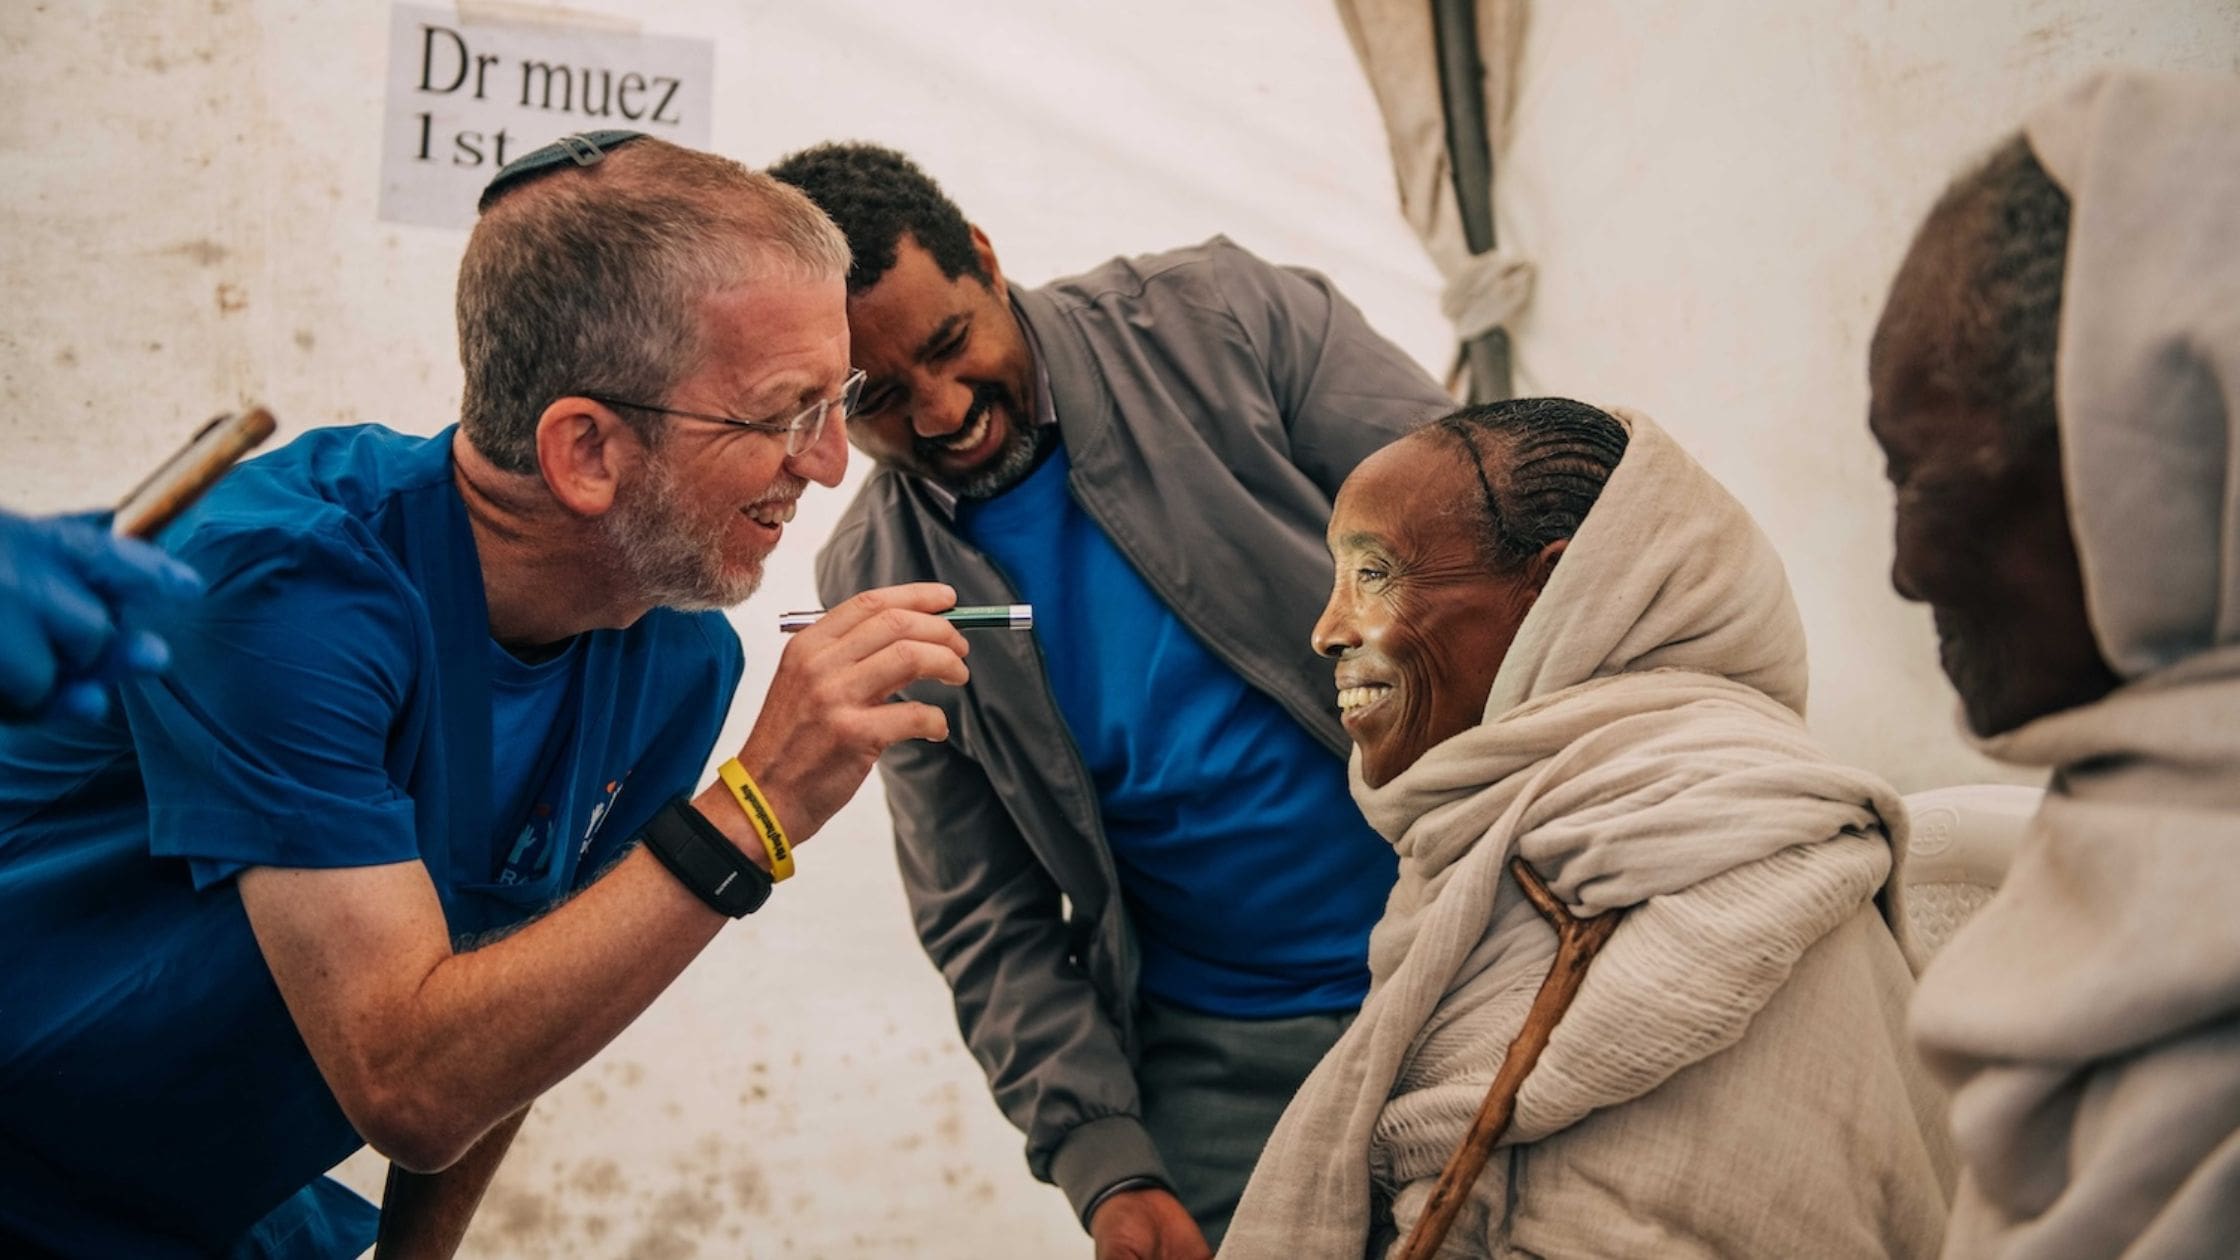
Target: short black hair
point(875, 194)
point(2010, 231)
point(1541, 465)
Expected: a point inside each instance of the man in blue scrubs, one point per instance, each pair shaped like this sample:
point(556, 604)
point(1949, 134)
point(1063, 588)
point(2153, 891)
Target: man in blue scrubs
point(410, 830)
point(1138, 864)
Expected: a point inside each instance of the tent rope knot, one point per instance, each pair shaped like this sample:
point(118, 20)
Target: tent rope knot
point(1486, 292)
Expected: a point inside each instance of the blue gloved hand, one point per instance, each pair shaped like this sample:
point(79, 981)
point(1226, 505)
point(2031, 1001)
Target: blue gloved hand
point(74, 603)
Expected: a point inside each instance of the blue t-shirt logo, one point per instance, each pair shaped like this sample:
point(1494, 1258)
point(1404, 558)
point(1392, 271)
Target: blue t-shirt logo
point(599, 814)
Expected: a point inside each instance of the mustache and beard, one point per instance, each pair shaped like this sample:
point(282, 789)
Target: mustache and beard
point(1023, 445)
point(672, 549)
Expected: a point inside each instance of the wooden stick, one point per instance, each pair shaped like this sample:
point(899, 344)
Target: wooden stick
point(1577, 942)
point(174, 487)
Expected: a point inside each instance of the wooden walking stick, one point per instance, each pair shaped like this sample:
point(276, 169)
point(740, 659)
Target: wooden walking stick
point(173, 488)
point(1577, 942)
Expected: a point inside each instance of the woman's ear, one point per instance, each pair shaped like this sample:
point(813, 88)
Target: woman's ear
point(1543, 566)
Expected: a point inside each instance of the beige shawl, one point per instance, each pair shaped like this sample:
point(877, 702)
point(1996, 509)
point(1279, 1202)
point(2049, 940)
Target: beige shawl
point(1643, 747)
point(2089, 1018)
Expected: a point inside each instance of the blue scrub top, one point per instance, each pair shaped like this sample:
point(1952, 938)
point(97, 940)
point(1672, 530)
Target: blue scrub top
point(1249, 874)
point(330, 704)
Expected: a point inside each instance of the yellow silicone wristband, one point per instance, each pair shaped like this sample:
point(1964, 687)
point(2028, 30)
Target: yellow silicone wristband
point(760, 816)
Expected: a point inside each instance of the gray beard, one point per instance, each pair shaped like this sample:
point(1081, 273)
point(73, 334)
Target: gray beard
point(673, 557)
point(1011, 467)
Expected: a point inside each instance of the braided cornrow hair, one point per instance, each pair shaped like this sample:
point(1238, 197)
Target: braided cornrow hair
point(1541, 464)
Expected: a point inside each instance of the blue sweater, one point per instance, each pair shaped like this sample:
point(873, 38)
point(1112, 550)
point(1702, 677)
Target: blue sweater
point(1249, 874)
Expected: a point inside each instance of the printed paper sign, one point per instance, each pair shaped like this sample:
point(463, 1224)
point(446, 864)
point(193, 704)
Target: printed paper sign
point(468, 95)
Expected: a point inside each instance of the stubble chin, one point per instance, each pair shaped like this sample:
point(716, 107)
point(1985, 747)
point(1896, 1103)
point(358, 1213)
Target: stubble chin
point(1983, 687)
point(1006, 467)
point(733, 588)
point(675, 558)
point(711, 582)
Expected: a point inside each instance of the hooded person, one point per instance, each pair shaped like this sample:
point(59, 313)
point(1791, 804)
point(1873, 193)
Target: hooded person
point(2057, 386)
point(1558, 638)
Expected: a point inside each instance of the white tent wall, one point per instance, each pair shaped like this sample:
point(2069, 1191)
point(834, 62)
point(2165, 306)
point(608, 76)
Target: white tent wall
point(1714, 203)
point(1715, 198)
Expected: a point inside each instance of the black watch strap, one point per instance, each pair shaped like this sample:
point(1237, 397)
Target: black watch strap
point(704, 860)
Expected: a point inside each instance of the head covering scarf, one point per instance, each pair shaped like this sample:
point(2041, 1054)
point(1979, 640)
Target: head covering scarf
point(2088, 1018)
point(1643, 745)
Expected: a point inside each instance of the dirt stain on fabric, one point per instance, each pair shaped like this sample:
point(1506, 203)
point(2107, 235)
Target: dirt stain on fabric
point(202, 252)
point(600, 1179)
point(749, 1189)
point(693, 1208)
point(518, 1217)
point(659, 1242)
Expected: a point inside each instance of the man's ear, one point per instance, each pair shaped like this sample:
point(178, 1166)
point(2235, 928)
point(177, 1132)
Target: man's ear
point(583, 449)
point(986, 253)
point(1543, 566)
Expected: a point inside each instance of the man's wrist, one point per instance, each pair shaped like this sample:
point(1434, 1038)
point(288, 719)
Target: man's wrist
point(704, 859)
point(1117, 1188)
point(1096, 1155)
point(716, 804)
point(762, 815)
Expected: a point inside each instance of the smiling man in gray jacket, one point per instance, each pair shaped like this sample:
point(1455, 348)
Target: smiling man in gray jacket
point(1135, 860)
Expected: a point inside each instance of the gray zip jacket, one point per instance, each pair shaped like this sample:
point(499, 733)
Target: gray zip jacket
point(1211, 404)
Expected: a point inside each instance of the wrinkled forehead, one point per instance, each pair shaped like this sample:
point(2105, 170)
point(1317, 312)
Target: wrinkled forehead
point(1916, 337)
point(773, 339)
point(896, 320)
point(1922, 283)
point(1416, 488)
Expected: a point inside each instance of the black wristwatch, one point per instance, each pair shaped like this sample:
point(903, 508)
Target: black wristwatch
point(704, 860)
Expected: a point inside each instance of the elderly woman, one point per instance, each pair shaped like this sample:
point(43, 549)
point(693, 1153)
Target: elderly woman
point(1558, 638)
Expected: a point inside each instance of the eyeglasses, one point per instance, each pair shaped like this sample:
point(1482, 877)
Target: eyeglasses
point(801, 430)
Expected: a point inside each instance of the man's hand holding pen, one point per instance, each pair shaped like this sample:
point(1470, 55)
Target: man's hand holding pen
point(830, 710)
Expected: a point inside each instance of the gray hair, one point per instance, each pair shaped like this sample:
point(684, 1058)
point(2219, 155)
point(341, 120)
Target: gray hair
point(589, 281)
point(2008, 226)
